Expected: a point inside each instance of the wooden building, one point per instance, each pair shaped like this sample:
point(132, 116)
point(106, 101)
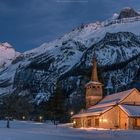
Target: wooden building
point(120, 110)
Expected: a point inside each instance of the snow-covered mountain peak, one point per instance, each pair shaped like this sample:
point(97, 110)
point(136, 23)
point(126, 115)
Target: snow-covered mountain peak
point(115, 16)
point(7, 54)
point(128, 12)
point(87, 34)
point(6, 44)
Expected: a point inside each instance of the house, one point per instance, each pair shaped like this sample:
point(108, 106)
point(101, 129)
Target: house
point(119, 110)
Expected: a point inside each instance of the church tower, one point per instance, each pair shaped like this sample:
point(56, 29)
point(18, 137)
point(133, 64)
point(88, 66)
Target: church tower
point(94, 92)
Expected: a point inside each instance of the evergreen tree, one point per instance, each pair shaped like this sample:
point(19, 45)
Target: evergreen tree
point(58, 104)
point(14, 106)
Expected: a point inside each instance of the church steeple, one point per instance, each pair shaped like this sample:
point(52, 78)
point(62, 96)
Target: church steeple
point(94, 92)
point(94, 76)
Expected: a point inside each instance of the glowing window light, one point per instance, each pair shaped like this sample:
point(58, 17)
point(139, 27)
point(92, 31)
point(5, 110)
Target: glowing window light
point(104, 120)
point(74, 122)
point(100, 120)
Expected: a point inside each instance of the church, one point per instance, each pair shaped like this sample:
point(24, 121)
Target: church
point(116, 111)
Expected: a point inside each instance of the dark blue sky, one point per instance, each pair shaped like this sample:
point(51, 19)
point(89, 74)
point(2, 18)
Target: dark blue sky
point(27, 24)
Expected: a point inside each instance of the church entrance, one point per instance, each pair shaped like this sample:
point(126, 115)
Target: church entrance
point(97, 122)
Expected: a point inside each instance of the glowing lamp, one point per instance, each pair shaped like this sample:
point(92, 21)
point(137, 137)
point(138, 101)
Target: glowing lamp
point(74, 122)
point(71, 113)
point(40, 118)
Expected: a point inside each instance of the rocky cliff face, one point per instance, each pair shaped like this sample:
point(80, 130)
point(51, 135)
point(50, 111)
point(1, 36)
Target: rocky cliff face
point(127, 13)
point(69, 60)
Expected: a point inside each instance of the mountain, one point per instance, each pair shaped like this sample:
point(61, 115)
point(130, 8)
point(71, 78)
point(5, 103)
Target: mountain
point(128, 12)
point(7, 54)
point(69, 60)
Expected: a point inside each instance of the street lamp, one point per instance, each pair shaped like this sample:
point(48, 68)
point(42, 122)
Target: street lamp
point(40, 118)
point(23, 117)
point(71, 113)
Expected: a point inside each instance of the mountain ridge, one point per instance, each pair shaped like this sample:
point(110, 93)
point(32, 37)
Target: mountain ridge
point(68, 60)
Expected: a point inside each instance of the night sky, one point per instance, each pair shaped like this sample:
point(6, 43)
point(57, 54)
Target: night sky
point(27, 24)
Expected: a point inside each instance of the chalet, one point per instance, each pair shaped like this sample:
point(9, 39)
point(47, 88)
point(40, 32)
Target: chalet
point(119, 110)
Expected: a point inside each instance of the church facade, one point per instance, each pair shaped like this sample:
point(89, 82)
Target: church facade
point(117, 111)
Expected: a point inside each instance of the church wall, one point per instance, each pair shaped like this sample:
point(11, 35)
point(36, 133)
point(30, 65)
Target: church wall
point(131, 123)
point(86, 122)
point(134, 123)
point(91, 101)
point(94, 90)
point(77, 122)
point(93, 94)
point(133, 98)
point(110, 119)
point(89, 121)
point(124, 120)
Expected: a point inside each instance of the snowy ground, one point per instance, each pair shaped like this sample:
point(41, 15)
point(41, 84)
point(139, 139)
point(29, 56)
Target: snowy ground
point(39, 131)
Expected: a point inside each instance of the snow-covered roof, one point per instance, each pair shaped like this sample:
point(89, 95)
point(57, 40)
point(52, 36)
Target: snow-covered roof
point(115, 98)
point(131, 110)
point(93, 82)
point(107, 103)
point(92, 112)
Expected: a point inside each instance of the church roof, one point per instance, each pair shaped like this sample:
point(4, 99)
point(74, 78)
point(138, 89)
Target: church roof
point(94, 76)
point(115, 98)
point(92, 112)
point(131, 110)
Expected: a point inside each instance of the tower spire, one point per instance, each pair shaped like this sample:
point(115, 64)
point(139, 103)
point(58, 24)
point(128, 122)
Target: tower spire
point(94, 91)
point(94, 76)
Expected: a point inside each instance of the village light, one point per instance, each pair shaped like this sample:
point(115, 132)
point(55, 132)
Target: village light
point(104, 120)
point(40, 118)
point(74, 122)
point(71, 113)
point(23, 117)
point(100, 120)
